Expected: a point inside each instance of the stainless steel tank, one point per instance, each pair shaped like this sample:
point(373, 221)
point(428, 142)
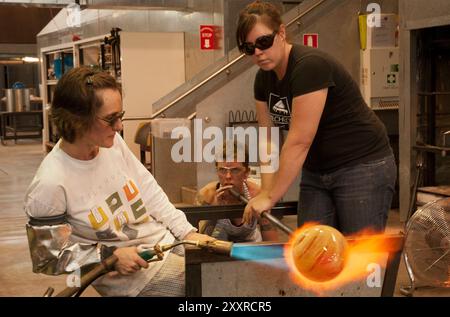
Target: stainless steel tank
point(18, 100)
point(9, 94)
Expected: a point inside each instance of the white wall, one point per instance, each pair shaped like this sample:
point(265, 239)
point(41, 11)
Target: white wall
point(152, 66)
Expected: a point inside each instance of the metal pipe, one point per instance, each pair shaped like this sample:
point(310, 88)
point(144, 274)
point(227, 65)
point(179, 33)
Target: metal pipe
point(276, 222)
point(217, 246)
point(237, 59)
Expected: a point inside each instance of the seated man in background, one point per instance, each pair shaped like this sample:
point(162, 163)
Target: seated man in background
point(233, 174)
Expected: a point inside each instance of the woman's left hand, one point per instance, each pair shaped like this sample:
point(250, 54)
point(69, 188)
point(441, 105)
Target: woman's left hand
point(256, 206)
point(128, 261)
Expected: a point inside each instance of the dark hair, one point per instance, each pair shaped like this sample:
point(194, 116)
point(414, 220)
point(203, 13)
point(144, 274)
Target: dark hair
point(258, 11)
point(230, 150)
point(76, 102)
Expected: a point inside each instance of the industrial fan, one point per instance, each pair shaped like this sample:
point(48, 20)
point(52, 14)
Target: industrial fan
point(427, 246)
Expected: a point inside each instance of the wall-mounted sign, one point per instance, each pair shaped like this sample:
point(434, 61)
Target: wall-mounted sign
point(311, 39)
point(208, 37)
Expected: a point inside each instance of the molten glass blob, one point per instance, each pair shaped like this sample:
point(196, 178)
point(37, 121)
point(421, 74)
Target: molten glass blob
point(319, 253)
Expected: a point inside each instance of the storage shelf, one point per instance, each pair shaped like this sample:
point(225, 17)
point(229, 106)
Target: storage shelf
point(20, 125)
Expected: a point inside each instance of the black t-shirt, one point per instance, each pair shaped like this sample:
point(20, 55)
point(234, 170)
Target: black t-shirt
point(349, 132)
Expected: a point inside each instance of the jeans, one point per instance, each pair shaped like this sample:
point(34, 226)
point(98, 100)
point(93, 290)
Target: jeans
point(351, 198)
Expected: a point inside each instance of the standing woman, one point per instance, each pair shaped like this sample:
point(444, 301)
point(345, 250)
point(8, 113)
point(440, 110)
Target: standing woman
point(341, 147)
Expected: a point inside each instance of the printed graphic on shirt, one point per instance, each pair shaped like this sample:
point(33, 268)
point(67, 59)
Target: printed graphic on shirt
point(118, 215)
point(280, 111)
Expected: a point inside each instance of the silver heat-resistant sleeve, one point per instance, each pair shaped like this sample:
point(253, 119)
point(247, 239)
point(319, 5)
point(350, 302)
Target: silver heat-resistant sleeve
point(53, 253)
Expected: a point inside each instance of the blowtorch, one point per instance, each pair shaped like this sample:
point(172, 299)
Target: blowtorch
point(149, 253)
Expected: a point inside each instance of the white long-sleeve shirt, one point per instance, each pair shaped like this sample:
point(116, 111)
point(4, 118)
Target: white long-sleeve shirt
point(111, 199)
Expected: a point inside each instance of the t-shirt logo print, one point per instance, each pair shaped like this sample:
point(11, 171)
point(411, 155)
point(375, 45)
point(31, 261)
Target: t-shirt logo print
point(119, 214)
point(280, 108)
point(279, 111)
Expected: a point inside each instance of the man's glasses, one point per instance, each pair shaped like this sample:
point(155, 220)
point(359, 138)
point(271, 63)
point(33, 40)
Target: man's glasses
point(263, 42)
point(111, 120)
point(233, 170)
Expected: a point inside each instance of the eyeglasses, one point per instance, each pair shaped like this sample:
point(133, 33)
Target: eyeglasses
point(263, 42)
point(233, 170)
point(111, 120)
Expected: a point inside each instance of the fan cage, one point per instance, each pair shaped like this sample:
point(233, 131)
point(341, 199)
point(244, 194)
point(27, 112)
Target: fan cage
point(427, 243)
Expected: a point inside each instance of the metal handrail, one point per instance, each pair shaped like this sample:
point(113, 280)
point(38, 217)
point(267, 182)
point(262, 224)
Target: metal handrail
point(203, 82)
point(305, 13)
point(192, 115)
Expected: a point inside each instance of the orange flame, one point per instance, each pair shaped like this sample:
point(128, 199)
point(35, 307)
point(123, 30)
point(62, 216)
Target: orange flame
point(364, 249)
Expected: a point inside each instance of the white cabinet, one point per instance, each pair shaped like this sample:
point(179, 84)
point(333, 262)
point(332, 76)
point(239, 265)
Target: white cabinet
point(151, 65)
point(380, 77)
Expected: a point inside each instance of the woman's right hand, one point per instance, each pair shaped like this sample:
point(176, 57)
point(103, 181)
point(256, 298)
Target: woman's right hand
point(128, 261)
point(256, 206)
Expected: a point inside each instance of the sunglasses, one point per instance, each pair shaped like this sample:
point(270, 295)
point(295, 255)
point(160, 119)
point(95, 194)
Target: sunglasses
point(263, 42)
point(111, 120)
point(233, 170)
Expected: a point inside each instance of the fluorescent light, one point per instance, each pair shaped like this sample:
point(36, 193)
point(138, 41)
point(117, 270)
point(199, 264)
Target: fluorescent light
point(28, 59)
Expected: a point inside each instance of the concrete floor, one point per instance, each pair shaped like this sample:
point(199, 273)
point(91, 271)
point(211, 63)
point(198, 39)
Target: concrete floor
point(18, 163)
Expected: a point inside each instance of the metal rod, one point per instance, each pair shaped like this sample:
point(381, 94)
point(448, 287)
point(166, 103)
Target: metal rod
point(237, 59)
point(173, 245)
point(276, 222)
point(264, 214)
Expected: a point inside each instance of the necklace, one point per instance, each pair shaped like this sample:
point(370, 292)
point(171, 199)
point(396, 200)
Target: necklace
point(246, 191)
